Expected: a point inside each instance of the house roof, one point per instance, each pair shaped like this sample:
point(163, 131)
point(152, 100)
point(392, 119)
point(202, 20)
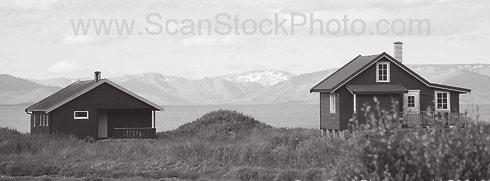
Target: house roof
point(343, 73)
point(377, 88)
point(77, 89)
point(361, 63)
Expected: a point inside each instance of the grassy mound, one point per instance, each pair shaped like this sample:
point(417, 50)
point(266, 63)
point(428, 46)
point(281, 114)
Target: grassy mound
point(219, 125)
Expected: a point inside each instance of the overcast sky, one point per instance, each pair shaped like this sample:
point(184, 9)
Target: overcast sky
point(37, 38)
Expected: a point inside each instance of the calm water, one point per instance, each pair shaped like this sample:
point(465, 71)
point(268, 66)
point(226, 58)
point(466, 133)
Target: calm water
point(278, 115)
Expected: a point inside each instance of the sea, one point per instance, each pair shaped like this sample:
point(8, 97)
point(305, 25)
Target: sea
point(277, 115)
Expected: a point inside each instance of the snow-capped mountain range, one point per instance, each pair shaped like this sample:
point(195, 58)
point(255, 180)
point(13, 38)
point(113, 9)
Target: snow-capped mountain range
point(255, 87)
point(265, 78)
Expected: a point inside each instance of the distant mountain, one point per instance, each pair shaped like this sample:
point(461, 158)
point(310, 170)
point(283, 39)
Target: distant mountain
point(440, 73)
point(473, 76)
point(177, 90)
point(15, 90)
point(255, 87)
point(265, 78)
point(56, 82)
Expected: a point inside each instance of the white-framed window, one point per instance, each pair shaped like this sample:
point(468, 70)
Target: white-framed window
point(80, 114)
point(410, 101)
point(442, 101)
point(383, 72)
point(333, 103)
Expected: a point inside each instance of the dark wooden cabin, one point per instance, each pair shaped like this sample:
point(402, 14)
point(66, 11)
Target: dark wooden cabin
point(383, 83)
point(96, 108)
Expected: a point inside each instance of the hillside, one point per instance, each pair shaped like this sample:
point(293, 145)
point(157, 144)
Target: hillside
point(221, 125)
point(255, 87)
point(15, 90)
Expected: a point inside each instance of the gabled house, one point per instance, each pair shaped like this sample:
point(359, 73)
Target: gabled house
point(382, 81)
point(97, 108)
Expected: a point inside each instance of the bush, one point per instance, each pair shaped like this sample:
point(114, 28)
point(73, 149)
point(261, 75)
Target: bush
point(439, 154)
point(27, 169)
point(313, 175)
point(253, 173)
point(288, 175)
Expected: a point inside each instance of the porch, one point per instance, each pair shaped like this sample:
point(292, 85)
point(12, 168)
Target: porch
point(126, 124)
point(433, 119)
point(412, 120)
point(130, 133)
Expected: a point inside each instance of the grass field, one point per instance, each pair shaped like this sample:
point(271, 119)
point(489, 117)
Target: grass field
point(227, 145)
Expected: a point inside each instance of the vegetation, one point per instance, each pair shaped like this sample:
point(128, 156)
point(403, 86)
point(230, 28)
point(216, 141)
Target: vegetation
point(227, 145)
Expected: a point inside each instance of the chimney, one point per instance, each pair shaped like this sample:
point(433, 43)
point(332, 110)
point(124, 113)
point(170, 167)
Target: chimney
point(97, 76)
point(398, 54)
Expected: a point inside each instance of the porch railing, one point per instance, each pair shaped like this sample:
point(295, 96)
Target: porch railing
point(427, 119)
point(127, 133)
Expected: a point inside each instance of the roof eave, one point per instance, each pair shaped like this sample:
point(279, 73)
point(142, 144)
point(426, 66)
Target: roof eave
point(320, 90)
point(451, 88)
point(155, 106)
point(33, 105)
point(389, 57)
point(362, 69)
point(316, 85)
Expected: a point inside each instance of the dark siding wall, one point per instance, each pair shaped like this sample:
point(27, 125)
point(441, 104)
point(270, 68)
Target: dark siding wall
point(64, 123)
point(104, 96)
point(328, 120)
point(454, 102)
point(345, 107)
point(399, 76)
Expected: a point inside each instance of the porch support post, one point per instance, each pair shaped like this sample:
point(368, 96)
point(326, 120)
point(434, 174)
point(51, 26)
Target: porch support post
point(154, 120)
point(354, 102)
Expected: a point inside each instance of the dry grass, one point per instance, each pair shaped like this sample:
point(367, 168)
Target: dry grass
point(232, 146)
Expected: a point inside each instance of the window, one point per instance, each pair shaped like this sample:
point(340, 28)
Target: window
point(333, 103)
point(411, 101)
point(442, 100)
point(80, 115)
point(383, 72)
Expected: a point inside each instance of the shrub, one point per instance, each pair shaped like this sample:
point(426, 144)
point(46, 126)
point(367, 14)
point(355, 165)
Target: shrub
point(438, 154)
point(253, 173)
point(313, 175)
point(288, 175)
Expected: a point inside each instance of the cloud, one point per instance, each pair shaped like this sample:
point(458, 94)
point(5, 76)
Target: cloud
point(209, 40)
point(29, 4)
point(65, 67)
point(199, 41)
point(77, 40)
point(89, 40)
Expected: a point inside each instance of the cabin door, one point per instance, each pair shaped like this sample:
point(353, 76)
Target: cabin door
point(102, 124)
point(411, 101)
